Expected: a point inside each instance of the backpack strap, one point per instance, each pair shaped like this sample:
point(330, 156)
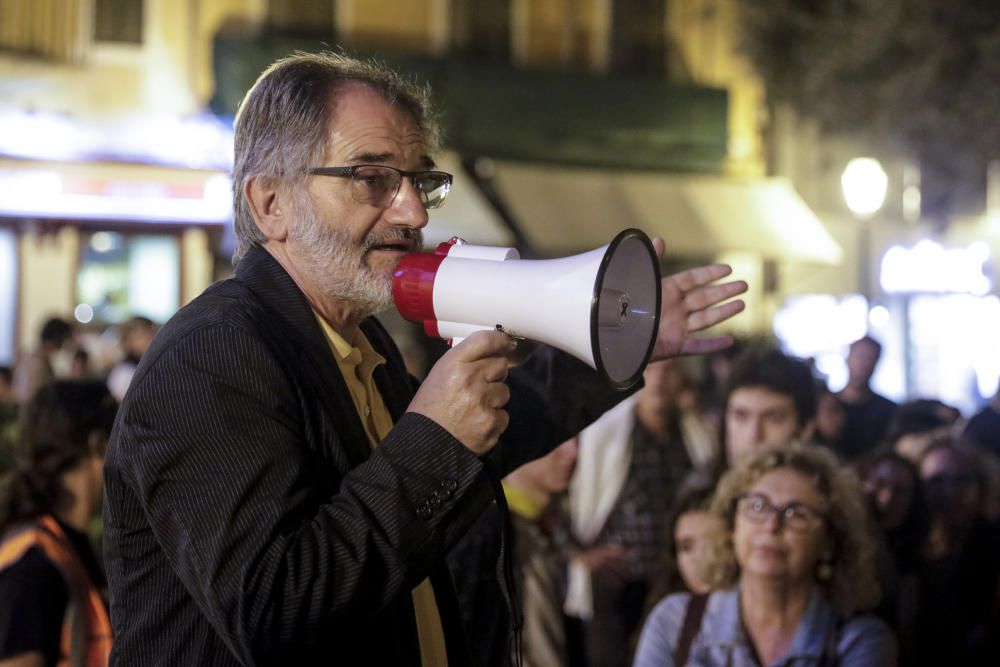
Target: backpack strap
point(689, 629)
point(86, 633)
point(831, 648)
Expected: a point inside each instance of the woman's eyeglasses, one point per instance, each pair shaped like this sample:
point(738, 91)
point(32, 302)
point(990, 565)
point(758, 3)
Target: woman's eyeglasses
point(757, 508)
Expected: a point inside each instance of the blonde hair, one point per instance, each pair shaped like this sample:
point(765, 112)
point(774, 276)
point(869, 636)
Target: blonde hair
point(853, 585)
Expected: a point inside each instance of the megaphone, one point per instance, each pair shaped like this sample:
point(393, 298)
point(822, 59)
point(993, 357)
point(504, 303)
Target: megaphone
point(602, 306)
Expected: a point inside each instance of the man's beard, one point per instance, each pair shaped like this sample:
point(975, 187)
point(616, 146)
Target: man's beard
point(339, 265)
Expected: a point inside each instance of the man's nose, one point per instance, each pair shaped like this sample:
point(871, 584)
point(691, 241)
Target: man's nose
point(406, 208)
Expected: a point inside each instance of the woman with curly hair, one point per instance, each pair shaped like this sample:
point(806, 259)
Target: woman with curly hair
point(793, 568)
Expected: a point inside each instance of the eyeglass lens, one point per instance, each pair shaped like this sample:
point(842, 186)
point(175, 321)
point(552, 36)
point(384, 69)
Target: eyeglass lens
point(757, 509)
point(378, 186)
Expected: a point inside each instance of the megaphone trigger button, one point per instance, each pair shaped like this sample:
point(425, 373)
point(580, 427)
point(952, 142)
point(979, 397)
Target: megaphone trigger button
point(513, 337)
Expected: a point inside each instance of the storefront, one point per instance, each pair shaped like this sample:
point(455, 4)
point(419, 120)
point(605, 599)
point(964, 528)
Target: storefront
point(101, 241)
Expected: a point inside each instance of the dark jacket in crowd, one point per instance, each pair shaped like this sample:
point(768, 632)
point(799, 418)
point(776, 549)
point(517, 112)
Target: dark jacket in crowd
point(247, 519)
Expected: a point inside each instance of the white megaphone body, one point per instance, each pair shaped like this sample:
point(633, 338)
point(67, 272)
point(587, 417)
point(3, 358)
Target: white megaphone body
point(602, 306)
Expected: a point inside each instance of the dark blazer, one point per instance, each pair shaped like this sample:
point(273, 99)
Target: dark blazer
point(248, 521)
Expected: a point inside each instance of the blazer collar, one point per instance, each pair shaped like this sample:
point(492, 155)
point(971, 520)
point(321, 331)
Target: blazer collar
point(290, 314)
point(269, 281)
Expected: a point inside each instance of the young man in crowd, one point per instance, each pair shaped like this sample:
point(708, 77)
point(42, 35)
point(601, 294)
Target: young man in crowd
point(770, 400)
point(867, 413)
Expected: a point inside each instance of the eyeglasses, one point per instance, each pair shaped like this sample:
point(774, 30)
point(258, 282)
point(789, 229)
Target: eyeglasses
point(377, 184)
point(756, 508)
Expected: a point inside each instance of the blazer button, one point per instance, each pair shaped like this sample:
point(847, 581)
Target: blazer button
point(424, 512)
point(452, 485)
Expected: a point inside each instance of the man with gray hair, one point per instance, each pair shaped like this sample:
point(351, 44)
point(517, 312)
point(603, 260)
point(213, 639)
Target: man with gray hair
point(278, 489)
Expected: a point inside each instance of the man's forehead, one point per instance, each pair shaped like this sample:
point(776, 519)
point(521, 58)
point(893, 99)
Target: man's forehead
point(364, 124)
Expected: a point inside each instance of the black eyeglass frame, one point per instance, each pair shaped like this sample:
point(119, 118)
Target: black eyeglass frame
point(818, 517)
point(344, 172)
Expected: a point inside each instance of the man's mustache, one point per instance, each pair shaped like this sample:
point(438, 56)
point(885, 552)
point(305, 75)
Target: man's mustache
point(406, 235)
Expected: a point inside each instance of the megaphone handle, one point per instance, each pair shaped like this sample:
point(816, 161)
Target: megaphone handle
point(452, 342)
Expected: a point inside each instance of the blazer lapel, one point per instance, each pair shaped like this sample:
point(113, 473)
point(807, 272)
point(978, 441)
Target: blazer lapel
point(289, 323)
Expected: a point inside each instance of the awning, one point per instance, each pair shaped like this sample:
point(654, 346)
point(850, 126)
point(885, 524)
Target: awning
point(563, 211)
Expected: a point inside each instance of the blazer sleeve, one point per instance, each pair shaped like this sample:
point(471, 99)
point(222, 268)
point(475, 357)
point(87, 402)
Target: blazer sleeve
point(212, 443)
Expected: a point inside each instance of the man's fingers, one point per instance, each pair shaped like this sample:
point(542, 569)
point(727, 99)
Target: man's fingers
point(497, 395)
point(495, 368)
point(659, 247)
point(703, 319)
point(483, 344)
point(688, 280)
point(709, 295)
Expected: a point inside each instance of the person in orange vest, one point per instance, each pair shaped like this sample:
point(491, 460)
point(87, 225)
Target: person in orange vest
point(52, 612)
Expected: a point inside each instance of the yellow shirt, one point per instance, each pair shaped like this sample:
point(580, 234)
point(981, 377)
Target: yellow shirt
point(357, 363)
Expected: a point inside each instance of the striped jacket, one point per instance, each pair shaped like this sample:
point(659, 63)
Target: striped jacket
point(247, 519)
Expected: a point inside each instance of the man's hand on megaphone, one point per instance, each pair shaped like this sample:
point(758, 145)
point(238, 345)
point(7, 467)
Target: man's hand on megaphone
point(692, 302)
point(465, 391)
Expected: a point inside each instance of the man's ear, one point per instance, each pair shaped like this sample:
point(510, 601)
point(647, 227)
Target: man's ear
point(269, 204)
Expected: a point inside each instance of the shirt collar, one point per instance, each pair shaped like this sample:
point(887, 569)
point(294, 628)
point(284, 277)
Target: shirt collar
point(724, 625)
point(348, 353)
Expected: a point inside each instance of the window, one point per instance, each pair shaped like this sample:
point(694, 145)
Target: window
point(124, 275)
point(118, 21)
point(305, 18)
point(481, 31)
point(8, 294)
point(638, 36)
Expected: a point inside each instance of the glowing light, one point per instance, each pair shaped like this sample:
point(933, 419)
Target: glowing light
point(43, 193)
point(864, 183)
point(102, 242)
point(878, 316)
point(201, 141)
point(928, 267)
point(820, 326)
point(83, 313)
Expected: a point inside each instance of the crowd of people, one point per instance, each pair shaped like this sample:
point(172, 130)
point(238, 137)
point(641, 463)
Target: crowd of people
point(874, 541)
point(279, 489)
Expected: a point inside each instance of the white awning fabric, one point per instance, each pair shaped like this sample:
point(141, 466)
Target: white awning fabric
point(564, 211)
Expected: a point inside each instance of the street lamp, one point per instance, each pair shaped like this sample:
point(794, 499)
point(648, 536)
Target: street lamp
point(864, 183)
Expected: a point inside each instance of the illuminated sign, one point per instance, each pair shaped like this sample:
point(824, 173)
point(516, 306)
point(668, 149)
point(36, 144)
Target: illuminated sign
point(113, 192)
point(929, 267)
